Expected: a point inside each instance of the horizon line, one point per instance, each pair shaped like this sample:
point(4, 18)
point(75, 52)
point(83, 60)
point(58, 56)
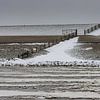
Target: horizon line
point(15, 25)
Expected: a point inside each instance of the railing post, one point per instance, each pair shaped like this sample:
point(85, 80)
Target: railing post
point(95, 27)
point(18, 56)
point(98, 25)
point(87, 30)
point(44, 46)
point(69, 36)
point(92, 29)
point(76, 32)
point(48, 44)
point(40, 47)
point(84, 32)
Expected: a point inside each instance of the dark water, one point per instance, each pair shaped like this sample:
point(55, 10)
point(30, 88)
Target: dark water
point(41, 29)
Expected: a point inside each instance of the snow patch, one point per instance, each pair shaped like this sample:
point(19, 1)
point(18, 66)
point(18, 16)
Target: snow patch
point(95, 33)
point(90, 48)
point(50, 95)
point(57, 52)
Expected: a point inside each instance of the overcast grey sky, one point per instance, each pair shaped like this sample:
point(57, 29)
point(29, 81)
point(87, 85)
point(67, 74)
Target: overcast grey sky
point(49, 11)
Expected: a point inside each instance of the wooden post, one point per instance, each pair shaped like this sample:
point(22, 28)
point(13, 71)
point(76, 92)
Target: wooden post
point(87, 30)
point(71, 35)
point(18, 56)
point(44, 46)
point(32, 50)
point(36, 49)
point(84, 32)
point(98, 25)
point(68, 36)
point(92, 29)
point(95, 27)
point(76, 32)
point(48, 44)
point(27, 53)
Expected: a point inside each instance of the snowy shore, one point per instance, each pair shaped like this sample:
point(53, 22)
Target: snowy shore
point(53, 76)
point(58, 55)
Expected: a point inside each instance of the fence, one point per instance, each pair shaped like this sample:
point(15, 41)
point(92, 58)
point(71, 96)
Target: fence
point(69, 33)
point(91, 29)
point(50, 41)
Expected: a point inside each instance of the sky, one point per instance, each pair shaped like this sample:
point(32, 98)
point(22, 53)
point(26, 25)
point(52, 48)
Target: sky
point(36, 12)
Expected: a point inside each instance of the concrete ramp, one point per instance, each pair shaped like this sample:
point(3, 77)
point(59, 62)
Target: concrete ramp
point(89, 39)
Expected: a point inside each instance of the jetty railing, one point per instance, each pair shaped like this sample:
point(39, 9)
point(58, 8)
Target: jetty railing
point(66, 35)
point(91, 29)
point(69, 33)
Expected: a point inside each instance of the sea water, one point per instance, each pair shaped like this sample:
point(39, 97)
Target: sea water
point(41, 29)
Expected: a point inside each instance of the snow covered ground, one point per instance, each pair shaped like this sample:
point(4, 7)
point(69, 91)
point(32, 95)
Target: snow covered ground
point(25, 44)
point(95, 33)
point(50, 95)
point(58, 52)
point(51, 82)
